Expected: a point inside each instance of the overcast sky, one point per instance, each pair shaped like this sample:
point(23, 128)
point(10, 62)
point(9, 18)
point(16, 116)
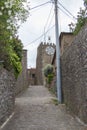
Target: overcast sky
point(37, 24)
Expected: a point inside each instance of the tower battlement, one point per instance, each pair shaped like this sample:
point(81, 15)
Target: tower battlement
point(44, 44)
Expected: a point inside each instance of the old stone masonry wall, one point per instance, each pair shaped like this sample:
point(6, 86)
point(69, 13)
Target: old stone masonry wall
point(74, 75)
point(7, 99)
point(22, 81)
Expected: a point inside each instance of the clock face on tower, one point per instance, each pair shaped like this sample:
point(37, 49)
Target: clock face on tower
point(50, 50)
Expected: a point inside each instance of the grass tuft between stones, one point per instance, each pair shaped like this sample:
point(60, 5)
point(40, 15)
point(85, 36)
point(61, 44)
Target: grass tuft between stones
point(55, 101)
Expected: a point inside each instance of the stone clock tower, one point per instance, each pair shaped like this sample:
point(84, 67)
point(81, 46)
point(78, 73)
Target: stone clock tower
point(45, 54)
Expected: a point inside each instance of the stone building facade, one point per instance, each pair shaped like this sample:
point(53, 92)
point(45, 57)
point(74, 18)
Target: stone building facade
point(65, 40)
point(44, 57)
point(32, 76)
point(22, 81)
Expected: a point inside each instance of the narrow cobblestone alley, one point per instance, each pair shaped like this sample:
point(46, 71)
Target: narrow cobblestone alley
point(34, 110)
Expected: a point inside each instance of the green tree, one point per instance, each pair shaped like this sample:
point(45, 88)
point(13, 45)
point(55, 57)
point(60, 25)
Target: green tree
point(81, 19)
point(11, 54)
point(12, 14)
point(17, 46)
point(85, 3)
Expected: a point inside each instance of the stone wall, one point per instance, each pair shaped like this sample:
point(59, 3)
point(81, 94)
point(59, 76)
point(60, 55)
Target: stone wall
point(39, 66)
point(65, 40)
point(74, 75)
point(32, 76)
point(22, 81)
point(7, 99)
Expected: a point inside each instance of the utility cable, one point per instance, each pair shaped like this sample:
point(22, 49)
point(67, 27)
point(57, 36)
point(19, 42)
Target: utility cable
point(48, 22)
point(39, 36)
point(69, 14)
point(67, 11)
point(48, 17)
point(66, 14)
point(39, 5)
point(60, 9)
point(48, 27)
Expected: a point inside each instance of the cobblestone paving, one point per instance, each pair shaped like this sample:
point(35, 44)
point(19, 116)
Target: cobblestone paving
point(35, 110)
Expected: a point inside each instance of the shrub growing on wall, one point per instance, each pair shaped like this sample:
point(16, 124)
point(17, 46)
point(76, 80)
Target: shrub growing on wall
point(12, 14)
point(48, 69)
point(81, 19)
point(49, 78)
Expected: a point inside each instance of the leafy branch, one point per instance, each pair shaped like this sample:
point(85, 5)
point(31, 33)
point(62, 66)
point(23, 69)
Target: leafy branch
point(12, 14)
point(81, 19)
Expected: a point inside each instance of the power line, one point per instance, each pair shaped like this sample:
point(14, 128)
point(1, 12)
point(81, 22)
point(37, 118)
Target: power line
point(68, 14)
point(39, 5)
point(59, 4)
point(48, 26)
point(67, 11)
point(51, 20)
point(47, 22)
point(40, 36)
point(48, 17)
